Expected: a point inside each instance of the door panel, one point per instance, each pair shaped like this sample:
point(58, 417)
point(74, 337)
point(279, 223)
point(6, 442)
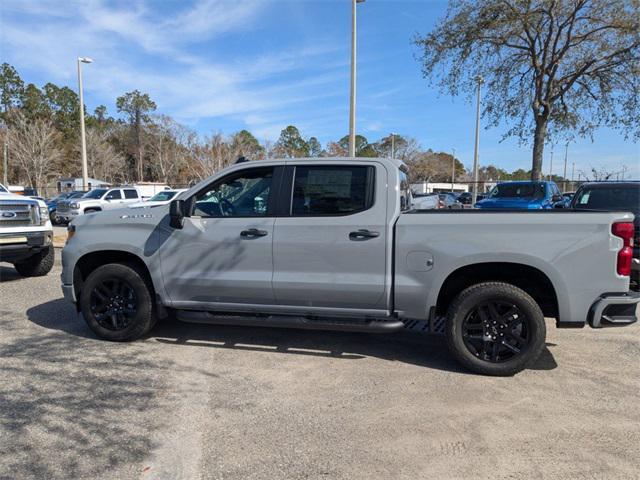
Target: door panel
point(209, 261)
point(223, 254)
point(325, 260)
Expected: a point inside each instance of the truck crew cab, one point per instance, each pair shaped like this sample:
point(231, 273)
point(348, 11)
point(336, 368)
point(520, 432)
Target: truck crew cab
point(334, 244)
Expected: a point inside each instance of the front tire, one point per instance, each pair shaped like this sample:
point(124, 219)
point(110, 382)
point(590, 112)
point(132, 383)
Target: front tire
point(117, 303)
point(495, 328)
point(37, 265)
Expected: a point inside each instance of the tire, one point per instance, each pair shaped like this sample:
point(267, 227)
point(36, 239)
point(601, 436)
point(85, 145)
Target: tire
point(495, 328)
point(53, 216)
point(117, 303)
point(37, 265)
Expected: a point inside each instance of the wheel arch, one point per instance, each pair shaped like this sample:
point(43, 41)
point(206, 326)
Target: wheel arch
point(88, 262)
point(526, 277)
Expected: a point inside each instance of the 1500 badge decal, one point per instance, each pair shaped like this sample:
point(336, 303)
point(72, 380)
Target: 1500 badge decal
point(141, 215)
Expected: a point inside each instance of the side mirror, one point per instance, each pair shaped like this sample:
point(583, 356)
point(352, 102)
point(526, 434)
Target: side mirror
point(176, 213)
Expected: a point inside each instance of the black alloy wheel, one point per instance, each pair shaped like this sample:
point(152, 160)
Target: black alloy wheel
point(496, 331)
point(117, 302)
point(495, 328)
point(113, 303)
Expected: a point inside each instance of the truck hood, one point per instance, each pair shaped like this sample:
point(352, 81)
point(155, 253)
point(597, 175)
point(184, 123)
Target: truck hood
point(511, 203)
point(13, 196)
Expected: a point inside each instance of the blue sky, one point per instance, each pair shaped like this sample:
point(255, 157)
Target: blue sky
point(224, 65)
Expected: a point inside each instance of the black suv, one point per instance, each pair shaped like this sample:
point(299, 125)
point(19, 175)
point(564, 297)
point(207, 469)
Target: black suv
point(614, 196)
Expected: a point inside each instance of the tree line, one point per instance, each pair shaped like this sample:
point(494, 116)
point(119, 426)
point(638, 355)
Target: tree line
point(41, 125)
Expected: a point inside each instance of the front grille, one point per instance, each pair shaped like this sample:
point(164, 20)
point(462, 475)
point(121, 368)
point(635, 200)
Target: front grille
point(14, 214)
point(62, 207)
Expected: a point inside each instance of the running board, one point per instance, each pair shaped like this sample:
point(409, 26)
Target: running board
point(284, 321)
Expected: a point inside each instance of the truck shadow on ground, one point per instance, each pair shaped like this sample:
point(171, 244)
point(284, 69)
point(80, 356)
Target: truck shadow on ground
point(9, 274)
point(409, 347)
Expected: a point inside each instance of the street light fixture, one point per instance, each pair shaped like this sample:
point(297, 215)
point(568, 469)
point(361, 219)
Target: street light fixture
point(479, 80)
point(83, 140)
point(352, 103)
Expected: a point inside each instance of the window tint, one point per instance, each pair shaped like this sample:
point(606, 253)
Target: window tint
point(242, 194)
point(113, 195)
point(332, 190)
point(608, 198)
point(128, 193)
point(518, 190)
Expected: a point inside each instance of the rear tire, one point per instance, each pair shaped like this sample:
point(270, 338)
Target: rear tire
point(37, 265)
point(495, 328)
point(117, 303)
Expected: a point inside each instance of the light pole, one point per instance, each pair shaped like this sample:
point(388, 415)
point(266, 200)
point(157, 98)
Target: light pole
point(551, 163)
point(352, 102)
point(5, 164)
point(573, 171)
point(453, 168)
point(83, 140)
point(393, 144)
point(564, 175)
point(480, 81)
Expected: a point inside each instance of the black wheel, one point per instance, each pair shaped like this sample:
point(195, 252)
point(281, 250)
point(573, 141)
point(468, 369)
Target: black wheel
point(117, 303)
point(495, 328)
point(37, 265)
point(53, 216)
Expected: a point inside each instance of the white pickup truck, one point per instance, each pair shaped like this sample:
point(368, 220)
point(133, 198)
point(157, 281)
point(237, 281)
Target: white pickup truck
point(26, 234)
point(335, 244)
point(97, 200)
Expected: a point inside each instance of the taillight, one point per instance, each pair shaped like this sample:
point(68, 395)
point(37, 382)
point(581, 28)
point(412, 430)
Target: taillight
point(440, 204)
point(625, 232)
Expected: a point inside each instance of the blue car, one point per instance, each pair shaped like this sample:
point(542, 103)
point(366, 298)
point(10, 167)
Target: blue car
point(522, 196)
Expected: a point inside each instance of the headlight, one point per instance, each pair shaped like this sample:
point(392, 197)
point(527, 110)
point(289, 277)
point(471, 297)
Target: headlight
point(74, 205)
point(44, 215)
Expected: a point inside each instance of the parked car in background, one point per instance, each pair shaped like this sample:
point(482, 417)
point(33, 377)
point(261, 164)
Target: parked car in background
point(149, 189)
point(465, 197)
point(97, 200)
point(614, 197)
point(52, 204)
point(449, 201)
point(338, 246)
point(524, 195)
point(161, 198)
point(568, 196)
point(26, 234)
point(425, 201)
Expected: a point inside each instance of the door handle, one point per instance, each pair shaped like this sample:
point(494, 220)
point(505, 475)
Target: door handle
point(253, 232)
point(363, 234)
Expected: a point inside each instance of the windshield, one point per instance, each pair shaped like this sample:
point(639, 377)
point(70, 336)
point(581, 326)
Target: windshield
point(609, 198)
point(518, 190)
point(163, 196)
point(97, 193)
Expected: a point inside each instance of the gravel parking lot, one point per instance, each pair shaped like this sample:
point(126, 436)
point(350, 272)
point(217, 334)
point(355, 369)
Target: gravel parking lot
point(238, 403)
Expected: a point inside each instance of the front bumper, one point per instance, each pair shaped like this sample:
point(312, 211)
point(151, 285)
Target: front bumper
point(21, 249)
point(614, 310)
point(68, 215)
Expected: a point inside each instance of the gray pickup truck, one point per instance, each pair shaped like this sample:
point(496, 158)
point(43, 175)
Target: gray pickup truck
point(335, 244)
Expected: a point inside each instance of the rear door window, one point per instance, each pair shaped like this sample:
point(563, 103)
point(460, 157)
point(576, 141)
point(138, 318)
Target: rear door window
point(129, 193)
point(332, 190)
